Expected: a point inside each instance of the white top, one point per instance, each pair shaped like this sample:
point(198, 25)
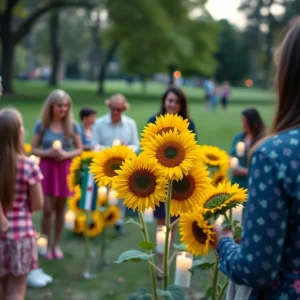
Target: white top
point(104, 132)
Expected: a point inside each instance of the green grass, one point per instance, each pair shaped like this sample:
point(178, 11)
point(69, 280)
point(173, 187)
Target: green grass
point(213, 128)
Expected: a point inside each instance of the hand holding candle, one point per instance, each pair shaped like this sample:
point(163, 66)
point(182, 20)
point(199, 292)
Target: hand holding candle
point(184, 262)
point(116, 142)
point(57, 145)
point(234, 162)
point(240, 149)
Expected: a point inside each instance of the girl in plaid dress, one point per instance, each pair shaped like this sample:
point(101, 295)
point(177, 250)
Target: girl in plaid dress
point(20, 195)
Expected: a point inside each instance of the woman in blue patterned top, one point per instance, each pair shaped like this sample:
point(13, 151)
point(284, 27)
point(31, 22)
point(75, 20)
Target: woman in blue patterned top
point(253, 130)
point(268, 259)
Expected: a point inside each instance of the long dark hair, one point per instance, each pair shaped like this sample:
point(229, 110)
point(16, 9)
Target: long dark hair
point(255, 123)
point(287, 59)
point(183, 101)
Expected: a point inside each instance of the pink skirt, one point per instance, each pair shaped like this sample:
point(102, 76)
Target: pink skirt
point(18, 257)
point(55, 177)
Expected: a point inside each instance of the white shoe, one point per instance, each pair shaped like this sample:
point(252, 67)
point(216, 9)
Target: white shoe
point(45, 276)
point(35, 281)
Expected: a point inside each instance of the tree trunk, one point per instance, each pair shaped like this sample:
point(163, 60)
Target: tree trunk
point(55, 48)
point(171, 72)
point(107, 59)
point(269, 59)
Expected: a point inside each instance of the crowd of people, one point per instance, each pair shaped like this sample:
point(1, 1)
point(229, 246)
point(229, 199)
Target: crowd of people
point(267, 259)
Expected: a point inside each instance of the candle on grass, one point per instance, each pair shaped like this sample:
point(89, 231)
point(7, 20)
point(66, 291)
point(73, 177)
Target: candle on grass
point(116, 142)
point(70, 218)
point(184, 262)
point(112, 197)
point(234, 162)
point(240, 149)
point(102, 192)
point(56, 145)
point(161, 239)
point(42, 244)
point(148, 215)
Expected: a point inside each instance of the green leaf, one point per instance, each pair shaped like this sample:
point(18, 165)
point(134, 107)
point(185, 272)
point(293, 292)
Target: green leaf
point(173, 292)
point(201, 264)
point(141, 294)
point(227, 224)
point(208, 294)
point(133, 255)
point(237, 232)
point(180, 247)
point(131, 221)
point(146, 245)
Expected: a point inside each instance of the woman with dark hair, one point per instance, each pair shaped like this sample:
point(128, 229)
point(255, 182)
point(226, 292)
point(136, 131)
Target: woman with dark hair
point(268, 259)
point(253, 130)
point(173, 101)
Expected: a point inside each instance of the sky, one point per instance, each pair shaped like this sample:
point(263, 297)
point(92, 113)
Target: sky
point(226, 9)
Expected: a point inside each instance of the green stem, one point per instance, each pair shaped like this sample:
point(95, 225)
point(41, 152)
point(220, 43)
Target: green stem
point(215, 281)
point(103, 248)
point(230, 214)
point(226, 217)
point(168, 229)
point(87, 240)
point(151, 263)
point(223, 290)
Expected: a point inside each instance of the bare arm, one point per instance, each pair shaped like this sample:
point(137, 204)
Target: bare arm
point(36, 196)
point(36, 148)
point(77, 150)
point(240, 172)
point(3, 221)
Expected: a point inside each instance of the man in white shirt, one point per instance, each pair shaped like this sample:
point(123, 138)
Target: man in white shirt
point(115, 128)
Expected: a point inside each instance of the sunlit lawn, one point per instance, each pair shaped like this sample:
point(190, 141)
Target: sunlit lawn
point(213, 128)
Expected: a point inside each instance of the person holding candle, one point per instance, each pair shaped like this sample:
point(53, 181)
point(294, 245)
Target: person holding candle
point(88, 118)
point(268, 259)
point(20, 195)
point(173, 101)
point(253, 130)
point(56, 140)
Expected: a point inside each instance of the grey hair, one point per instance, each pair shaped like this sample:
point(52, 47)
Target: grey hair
point(117, 98)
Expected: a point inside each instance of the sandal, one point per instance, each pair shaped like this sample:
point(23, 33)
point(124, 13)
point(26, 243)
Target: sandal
point(48, 255)
point(58, 254)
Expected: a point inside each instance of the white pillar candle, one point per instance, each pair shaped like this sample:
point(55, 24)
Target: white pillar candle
point(184, 262)
point(70, 218)
point(102, 192)
point(116, 142)
point(148, 215)
point(112, 197)
point(56, 145)
point(42, 244)
point(161, 238)
point(234, 162)
point(240, 149)
point(237, 213)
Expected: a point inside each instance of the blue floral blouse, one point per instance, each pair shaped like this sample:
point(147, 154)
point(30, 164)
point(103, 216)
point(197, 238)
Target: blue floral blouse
point(268, 258)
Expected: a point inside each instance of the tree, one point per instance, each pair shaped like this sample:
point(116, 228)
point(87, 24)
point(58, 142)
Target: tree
point(11, 37)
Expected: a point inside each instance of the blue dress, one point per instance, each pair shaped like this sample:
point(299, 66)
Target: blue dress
point(159, 212)
point(241, 180)
point(268, 259)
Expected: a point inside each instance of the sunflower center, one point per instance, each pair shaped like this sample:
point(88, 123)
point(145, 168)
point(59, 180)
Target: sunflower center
point(219, 179)
point(92, 225)
point(142, 183)
point(170, 154)
point(184, 188)
point(216, 201)
point(198, 233)
point(212, 157)
point(109, 217)
point(166, 129)
point(112, 165)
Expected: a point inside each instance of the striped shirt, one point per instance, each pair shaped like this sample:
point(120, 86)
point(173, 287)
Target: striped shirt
point(20, 217)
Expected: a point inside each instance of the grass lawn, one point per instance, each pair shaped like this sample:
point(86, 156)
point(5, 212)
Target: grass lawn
point(216, 128)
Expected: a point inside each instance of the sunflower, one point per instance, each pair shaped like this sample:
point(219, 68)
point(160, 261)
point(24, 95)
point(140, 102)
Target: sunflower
point(188, 192)
point(196, 233)
point(141, 183)
point(80, 223)
point(27, 148)
point(219, 177)
point(107, 162)
point(95, 224)
point(218, 200)
point(174, 153)
point(214, 158)
point(111, 215)
point(73, 202)
point(164, 124)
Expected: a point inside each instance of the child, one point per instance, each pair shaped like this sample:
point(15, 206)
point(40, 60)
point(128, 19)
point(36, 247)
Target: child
point(87, 117)
point(20, 195)
point(225, 93)
point(56, 140)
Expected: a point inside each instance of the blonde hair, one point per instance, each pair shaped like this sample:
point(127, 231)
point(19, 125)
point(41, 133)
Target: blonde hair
point(117, 98)
point(47, 112)
point(11, 146)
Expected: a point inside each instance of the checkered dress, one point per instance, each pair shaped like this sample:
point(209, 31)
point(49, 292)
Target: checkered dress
point(19, 217)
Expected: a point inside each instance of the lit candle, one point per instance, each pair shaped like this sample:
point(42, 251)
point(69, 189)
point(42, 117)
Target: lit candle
point(161, 239)
point(112, 197)
point(116, 142)
point(42, 244)
point(70, 218)
point(237, 213)
point(56, 145)
point(35, 159)
point(102, 192)
point(148, 215)
point(184, 262)
point(234, 162)
point(240, 149)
